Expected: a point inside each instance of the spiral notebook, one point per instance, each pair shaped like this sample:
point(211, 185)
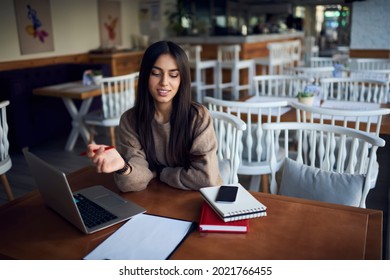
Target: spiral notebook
point(246, 205)
point(210, 222)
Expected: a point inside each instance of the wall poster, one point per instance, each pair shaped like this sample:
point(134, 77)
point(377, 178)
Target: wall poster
point(34, 25)
point(110, 23)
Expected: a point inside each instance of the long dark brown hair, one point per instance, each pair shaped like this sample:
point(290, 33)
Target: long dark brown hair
point(184, 110)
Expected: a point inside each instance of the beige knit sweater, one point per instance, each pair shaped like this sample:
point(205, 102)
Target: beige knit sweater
point(202, 173)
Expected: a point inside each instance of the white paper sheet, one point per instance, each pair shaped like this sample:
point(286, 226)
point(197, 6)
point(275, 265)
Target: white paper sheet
point(144, 237)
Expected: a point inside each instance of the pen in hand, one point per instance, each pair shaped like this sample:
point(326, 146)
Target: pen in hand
point(95, 150)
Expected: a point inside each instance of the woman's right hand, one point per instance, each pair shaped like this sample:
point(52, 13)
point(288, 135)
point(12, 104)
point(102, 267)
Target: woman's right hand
point(106, 161)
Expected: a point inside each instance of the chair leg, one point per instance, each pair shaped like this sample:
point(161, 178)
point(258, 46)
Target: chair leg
point(215, 82)
point(264, 183)
point(112, 135)
point(7, 187)
point(91, 135)
point(236, 84)
point(254, 184)
point(198, 77)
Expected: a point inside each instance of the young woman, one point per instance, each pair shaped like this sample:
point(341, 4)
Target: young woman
point(165, 134)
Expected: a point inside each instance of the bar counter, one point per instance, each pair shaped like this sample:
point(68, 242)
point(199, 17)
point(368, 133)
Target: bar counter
point(252, 46)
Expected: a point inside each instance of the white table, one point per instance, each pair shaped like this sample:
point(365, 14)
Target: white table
point(69, 92)
point(290, 115)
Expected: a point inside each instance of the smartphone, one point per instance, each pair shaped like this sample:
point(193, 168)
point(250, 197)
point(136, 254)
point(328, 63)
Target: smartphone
point(227, 194)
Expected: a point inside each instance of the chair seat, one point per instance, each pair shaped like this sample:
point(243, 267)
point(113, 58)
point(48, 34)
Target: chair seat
point(97, 118)
point(5, 165)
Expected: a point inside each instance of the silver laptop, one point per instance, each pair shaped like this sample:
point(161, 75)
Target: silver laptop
point(78, 207)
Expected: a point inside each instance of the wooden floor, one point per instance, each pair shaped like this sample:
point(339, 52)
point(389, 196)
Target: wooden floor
point(53, 152)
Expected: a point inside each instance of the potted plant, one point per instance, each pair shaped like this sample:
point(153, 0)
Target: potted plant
point(308, 95)
point(97, 76)
point(92, 77)
point(179, 17)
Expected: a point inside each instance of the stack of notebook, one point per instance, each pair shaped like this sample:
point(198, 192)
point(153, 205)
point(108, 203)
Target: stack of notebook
point(229, 217)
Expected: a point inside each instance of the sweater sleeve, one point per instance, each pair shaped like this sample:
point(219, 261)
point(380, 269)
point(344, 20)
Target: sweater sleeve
point(203, 171)
point(130, 147)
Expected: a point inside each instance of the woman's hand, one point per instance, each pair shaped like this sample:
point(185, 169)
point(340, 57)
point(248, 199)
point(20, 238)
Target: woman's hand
point(106, 161)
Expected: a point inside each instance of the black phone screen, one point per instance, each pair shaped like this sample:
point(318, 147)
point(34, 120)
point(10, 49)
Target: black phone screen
point(227, 194)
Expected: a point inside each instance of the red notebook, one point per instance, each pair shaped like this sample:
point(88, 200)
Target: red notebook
point(211, 222)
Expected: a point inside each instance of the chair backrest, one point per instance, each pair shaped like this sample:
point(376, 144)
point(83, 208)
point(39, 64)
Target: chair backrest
point(355, 89)
point(368, 120)
point(279, 85)
point(360, 64)
point(284, 54)
point(327, 150)
point(279, 55)
point(380, 75)
point(118, 94)
point(228, 53)
point(228, 129)
point(295, 49)
point(254, 151)
point(321, 62)
point(4, 143)
point(193, 53)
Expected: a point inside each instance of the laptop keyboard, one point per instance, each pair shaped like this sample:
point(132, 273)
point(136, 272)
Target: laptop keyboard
point(92, 214)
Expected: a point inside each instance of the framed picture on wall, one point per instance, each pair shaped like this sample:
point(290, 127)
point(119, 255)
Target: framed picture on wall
point(34, 25)
point(110, 23)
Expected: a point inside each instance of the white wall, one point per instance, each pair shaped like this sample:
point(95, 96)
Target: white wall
point(75, 27)
point(370, 25)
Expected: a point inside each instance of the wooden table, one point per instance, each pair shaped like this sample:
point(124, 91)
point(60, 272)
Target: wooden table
point(293, 229)
point(69, 92)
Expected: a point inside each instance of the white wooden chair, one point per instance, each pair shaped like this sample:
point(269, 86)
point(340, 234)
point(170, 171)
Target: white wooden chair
point(362, 118)
point(253, 154)
point(355, 89)
point(328, 170)
point(295, 59)
point(279, 85)
point(363, 64)
point(228, 129)
point(5, 159)
point(280, 55)
point(380, 75)
point(321, 62)
point(118, 95)
point(228, 57)
point(199, 66)
point(273, 63)
point(368, 120)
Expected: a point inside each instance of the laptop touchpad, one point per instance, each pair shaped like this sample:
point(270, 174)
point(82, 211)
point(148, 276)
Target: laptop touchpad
point(110, 200)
